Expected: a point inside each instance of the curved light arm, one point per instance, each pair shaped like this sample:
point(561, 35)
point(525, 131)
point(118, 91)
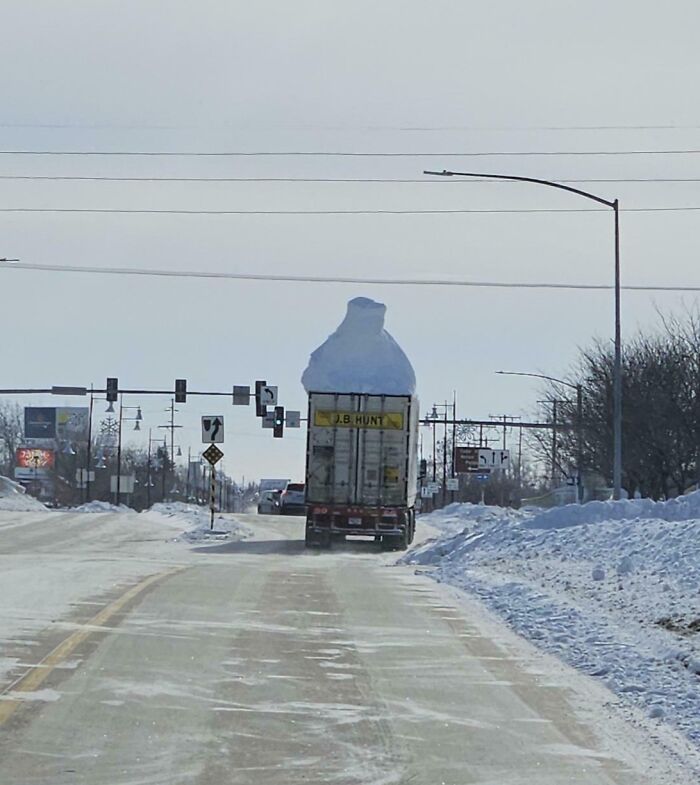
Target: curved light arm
point(586, 194)
point(539, 376)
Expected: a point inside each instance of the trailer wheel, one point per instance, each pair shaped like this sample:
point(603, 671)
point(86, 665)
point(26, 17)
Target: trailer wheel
point(311, 539)
point(325, 539)
point(402, 540)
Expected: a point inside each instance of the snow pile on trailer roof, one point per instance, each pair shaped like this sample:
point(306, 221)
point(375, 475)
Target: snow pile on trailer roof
point(360, 356)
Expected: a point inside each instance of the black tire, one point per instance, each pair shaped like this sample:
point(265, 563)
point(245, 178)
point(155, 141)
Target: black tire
point(310, 540)
point(402, 540)
point(310, 537)
point(325, 540)
point(412, 526)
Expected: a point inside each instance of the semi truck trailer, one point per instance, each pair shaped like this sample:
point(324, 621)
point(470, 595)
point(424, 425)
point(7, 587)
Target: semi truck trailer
point(361, 467)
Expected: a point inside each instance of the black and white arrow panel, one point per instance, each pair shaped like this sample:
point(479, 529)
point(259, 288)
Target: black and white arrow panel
point(213, 429)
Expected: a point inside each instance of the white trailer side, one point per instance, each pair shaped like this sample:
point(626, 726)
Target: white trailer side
point(361, 460)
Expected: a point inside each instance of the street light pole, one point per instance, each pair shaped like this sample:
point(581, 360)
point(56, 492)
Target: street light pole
point(119, 453)
point(617, 366)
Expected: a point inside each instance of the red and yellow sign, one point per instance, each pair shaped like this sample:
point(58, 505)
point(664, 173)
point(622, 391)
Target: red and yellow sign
point(35, 458)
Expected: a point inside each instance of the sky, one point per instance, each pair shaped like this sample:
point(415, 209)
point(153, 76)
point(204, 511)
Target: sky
point(441, 81)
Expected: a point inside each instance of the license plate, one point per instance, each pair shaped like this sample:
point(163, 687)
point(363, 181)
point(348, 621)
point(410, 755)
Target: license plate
point(354, 521)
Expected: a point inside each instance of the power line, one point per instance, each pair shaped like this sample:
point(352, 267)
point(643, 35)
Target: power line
point(484, 211)
point(143, 271)
point(422, 181)
point(348, 128)
point(345, 154)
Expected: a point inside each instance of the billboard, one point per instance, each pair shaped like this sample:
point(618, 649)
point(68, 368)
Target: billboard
point(72, 423)
point(40, 422)
point(33, 462)
point(67, 423)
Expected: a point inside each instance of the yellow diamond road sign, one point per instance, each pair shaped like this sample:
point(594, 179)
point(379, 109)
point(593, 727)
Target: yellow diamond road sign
point(212, 454)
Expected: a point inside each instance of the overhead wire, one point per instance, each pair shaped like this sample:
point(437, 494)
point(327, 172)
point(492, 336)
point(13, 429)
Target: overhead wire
point(423, 181)
point(346, 153)
point(336, 279)
point(350, 128)
point(457, 211)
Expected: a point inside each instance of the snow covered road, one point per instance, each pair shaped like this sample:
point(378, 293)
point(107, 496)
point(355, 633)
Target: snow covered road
point(253, 661)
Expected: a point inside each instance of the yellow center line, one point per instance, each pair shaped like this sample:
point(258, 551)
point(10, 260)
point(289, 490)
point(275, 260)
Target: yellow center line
point(38, 673)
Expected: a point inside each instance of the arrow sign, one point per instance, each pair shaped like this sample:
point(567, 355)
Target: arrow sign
point(268, 395)
point(213, 429)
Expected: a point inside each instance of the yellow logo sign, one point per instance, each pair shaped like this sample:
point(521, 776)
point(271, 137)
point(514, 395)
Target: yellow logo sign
point(388, 421)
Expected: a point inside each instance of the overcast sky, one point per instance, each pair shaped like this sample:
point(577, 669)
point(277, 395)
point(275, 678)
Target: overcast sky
point(437, 77)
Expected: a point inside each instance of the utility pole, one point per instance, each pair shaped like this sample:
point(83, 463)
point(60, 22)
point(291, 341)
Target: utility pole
point(88, 456)
point(444, 459)
point(171, 427)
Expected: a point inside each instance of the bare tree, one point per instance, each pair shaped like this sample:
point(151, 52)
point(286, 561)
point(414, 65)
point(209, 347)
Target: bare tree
point(661, 411)
point(11, 432)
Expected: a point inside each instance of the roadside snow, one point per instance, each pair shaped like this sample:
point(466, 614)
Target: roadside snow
point(612, 588)
point(98, 506)
point(197, 521)
point(14, 499)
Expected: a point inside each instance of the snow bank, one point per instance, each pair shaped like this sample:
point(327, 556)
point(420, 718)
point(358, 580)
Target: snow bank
point(360, 356)
point(196, 519)
point(98, 506)
point(683, 508)
point(14, 499)
point(610, 587)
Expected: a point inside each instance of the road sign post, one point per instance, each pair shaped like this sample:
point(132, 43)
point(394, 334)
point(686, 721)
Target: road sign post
point(212, 500)
point(212, 455)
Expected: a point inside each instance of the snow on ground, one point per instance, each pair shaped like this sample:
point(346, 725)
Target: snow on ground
point(197, 521)
point(98, 506)
point(14, 499)
point(612, 588)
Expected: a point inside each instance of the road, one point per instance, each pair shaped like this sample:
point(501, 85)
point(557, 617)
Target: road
point(258, 662)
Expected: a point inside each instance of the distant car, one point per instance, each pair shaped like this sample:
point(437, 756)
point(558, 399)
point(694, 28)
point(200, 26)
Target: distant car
point(293, 499)
point(268, 503)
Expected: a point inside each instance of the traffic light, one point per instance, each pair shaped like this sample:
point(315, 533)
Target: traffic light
point(278, 426)
point(112, 389)
point(260, 410)
point(180, 390)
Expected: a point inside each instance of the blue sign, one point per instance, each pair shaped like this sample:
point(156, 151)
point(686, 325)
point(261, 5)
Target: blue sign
point(39, 422)
point(482, 477)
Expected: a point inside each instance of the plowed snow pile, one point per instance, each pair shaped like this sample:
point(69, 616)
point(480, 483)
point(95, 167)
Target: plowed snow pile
point(195, 519)
point(612, 588)
point(360, 356)
point(14, 499)
point(99, 506)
